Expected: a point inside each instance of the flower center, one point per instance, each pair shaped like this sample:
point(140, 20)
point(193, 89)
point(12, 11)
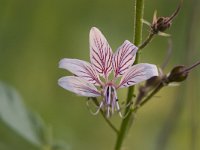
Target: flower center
point(110, 101)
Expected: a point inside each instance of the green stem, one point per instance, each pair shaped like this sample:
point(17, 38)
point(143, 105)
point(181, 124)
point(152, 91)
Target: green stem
point(139, 8)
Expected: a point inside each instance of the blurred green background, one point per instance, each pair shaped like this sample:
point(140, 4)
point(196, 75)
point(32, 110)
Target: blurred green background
point(36, 34)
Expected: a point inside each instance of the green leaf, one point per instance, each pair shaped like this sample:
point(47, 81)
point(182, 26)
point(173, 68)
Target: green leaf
point(15, 115)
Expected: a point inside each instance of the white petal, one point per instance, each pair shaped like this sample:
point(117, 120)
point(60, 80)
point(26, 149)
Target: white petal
point(78, 86)
point(81, 69)
point(138, 73)
point(123, 58)
point(100, 53)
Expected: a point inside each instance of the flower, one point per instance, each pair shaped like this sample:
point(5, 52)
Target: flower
point(86, 80)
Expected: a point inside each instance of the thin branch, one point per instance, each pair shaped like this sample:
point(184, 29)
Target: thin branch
point(156, 90)
point(193, 66)
point(106, 119)
point(147, 41)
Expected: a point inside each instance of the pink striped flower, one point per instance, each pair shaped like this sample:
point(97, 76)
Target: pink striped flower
point(86, 80)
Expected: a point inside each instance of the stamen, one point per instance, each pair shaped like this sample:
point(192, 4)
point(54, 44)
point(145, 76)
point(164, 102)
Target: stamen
point(127, 105)
point(117, 104)
point(126, 114)
point(113, 100)
point(108, 100)
point(118, 109)
point(97, 110)
point(120, 113)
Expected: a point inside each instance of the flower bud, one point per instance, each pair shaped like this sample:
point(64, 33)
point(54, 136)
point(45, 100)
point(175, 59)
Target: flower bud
point(161, 24)
point(178, 74)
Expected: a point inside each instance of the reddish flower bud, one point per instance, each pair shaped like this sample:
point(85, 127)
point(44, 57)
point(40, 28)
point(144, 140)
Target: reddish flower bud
point(160, 24)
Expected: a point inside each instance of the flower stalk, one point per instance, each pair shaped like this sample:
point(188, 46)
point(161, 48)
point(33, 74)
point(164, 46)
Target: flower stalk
point(147, 41)
point(191, 67)
point(139, 9)
point(106, 119)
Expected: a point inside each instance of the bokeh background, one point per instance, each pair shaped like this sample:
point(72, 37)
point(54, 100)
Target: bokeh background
point(36, 34)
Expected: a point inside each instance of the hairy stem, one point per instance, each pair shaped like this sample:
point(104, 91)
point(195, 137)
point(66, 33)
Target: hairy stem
point(139, 9)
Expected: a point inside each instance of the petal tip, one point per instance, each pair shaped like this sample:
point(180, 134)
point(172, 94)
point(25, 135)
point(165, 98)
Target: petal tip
point(94, 29)
point(62, 63)
point(60, 81)
point(127, 41)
